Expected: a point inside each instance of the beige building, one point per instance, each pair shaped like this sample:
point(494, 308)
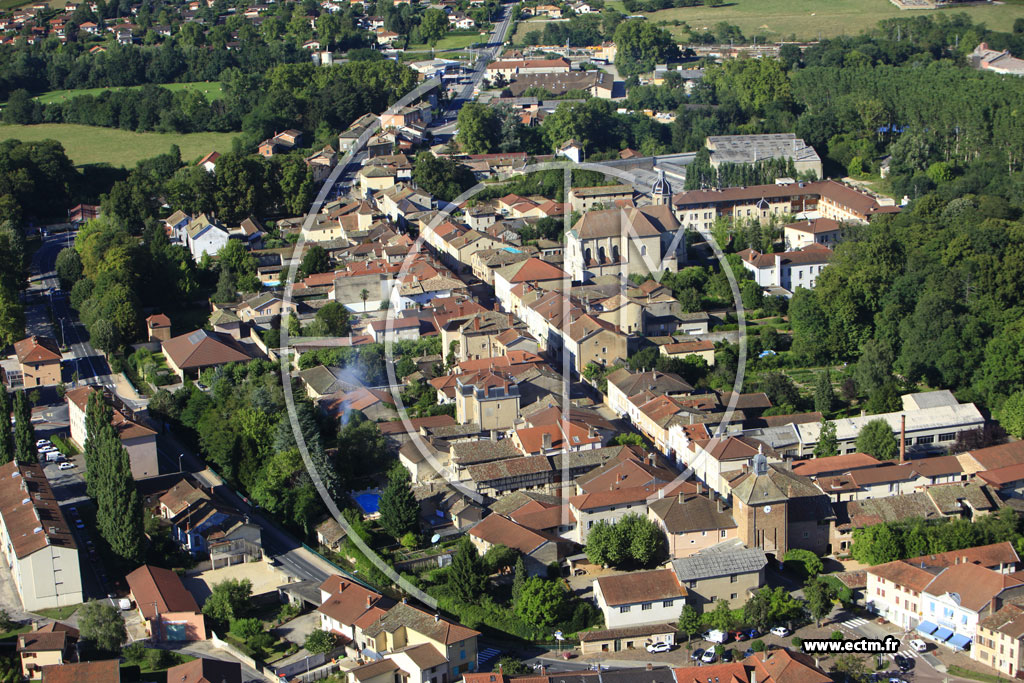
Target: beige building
point(49, 645)
point(623, 242)
point(801, 234)
point(692, 522)
point(487, 398)
point(39, 358)
point(137, 439)
point(635, 598)
point(586, 198)
point(591, 340)
point(999, 640)
point(728, 571)
point(701, 348)
point(36, 540)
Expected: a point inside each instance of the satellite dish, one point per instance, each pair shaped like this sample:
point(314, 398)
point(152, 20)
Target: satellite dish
point(435, 538)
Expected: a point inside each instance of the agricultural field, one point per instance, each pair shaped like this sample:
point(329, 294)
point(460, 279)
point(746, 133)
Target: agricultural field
point(813, 19)
point(94, 145)
point(213, 90)
point(524, 27)
point(456, 40)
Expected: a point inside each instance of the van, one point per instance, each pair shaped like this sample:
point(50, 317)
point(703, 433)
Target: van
point(717, 636)
point(54, 456)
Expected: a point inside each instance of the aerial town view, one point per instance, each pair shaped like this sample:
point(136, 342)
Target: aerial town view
point(475, 341)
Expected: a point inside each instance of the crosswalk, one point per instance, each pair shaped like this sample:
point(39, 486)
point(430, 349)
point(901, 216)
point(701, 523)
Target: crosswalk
point(854, 623)
point(910, 653)
point(486, 656)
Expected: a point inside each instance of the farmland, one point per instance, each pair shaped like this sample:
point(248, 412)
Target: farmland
point(93, 145)
point(211, 89)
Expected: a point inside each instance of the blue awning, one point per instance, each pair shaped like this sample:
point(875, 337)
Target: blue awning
point(942, 635)
point(927, 628)
point(960, 641)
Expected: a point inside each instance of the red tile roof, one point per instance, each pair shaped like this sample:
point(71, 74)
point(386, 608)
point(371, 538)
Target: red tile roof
point(634, 587)
point(37, 350)
point(104, 671)
point(163, 587)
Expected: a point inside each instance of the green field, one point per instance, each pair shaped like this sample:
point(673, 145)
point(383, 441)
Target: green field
point(524, 27)
point(94, 145)
point(811, 19)
point(211, 89)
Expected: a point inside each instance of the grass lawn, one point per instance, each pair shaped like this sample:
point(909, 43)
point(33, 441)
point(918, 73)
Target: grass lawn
point(211, 89)
point(452, 41)
point(64, 445)
point(807, 19)
point(96, 145)
point(524, 27)
point(13, 633)
point(58, 613)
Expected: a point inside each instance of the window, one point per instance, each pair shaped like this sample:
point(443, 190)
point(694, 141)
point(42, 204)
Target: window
point(733, 578)
point(931, 607)
point(909, 441)
point(713, 598)
point(723, 533)
point(667, 603)
point(693, 584)
point(925, 439)
point(623, 609)
point(732, 596)
point(646, 606)
point(462, 654)
point(963, 619)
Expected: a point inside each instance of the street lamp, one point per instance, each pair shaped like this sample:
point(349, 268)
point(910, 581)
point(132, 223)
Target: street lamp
point(180, 456)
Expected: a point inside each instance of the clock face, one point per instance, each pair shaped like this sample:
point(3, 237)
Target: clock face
point(767, 509)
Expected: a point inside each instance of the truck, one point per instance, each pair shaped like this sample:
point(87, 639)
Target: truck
point(716, 636)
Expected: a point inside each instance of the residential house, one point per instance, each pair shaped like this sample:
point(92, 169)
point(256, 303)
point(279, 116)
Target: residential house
point(105, 670)
point(488, 399)
point(39, 360)
point(189, 354)
point(701, 348)
point(36, 540)
point(169, 611)
point(592, 340)
point(693, 521)
point(194, 515)
point(538, 549)
point(999, 640)
point(206, 670)
point(802, 234)
point(728, 571)
point(51, 645)
point(204, 235)
point(533, 271)
point(997, 61)
point(651, 597)
point(158, 328)
point(788, 270)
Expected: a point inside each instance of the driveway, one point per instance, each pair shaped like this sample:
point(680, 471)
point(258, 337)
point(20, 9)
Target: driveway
point(296, 630)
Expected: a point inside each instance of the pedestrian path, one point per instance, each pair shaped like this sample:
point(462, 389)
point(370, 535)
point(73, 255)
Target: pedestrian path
point(854, 623)
point(486, 656)
point(909, 653)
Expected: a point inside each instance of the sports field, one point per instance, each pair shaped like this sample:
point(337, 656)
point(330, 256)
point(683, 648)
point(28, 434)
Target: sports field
point(811, 19)
point(211, 89)
point(94, 145)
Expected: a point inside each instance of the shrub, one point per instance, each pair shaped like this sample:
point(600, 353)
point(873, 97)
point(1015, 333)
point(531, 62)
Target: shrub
point(797, 642)
point(757, 645)
point(836, 635)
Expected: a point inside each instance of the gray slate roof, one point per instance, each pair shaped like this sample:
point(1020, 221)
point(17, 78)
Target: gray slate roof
point(722, 560)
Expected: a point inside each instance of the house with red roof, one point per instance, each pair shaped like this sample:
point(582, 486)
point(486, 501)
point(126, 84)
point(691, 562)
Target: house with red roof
point(39, 360)
point(138, 439)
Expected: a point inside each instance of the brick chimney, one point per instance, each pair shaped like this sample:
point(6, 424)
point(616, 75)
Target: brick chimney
point(903, 438)
point(546, 440)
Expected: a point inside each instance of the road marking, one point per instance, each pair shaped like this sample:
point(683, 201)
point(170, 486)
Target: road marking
point(854, 623)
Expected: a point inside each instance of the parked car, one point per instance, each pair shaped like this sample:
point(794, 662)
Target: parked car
point(780, 631)
point(708, 657)
point(740, 636)
point(42, 442)
point(65, 465)
point(697, 654)
point(896, 679)
point(727, 656)
point(658, 647)
point(748, 652)
point(919, 645)
point(753, 633)
point(903, 663)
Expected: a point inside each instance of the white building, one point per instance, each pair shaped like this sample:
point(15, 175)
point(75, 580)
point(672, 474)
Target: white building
point(639, 598)
point(36, 540)
point(788, 270)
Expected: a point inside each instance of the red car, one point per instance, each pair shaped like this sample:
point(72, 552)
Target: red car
point(739, 636)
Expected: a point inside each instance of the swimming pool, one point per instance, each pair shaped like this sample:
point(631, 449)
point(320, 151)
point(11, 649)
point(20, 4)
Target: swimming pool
point(368, 502)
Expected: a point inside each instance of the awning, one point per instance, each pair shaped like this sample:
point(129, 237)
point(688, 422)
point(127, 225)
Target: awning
point(942, 635)
point(959, 641)
point(927, 628)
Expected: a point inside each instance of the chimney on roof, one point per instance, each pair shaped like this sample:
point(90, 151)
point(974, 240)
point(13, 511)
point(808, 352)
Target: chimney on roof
point(546, 440)
point(903, 438)
point(592, 432)
point(369, 601)
point(753, 676)
point(721, 504)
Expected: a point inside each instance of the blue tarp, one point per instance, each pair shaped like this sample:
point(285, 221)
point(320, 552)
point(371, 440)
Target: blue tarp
point(927, 628)
point(960, 641)
point(942, 635)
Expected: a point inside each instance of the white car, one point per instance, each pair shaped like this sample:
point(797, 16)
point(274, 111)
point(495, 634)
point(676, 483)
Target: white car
point(780, 631)
point(709, 656)
point(65, 465)
point(658, 647)
point(42, 442)
point(919, 645)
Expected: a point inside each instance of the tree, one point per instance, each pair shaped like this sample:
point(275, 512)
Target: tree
point(335, 319)
point(720, 618)
point(399, 511)
point(628, 439)
point(499, 558)
point(315, 260)
point(827, 445)
point(479, 128)
point(758, 610)
point(824, 395)
point(69, 267)
point(518, 579)
point(228, 600)
point(6, 444)
point(803, 562)
point(24, 433)
point(433, 26)
point(876, 438)
point(819, 596)
point(541, 602)
point(319, 641)
point(510, 666)
point(850, 668)
point(102, 626)
point(641, 45)
point(364, 294)
point(690, 621)
point(466, 577)
point(442, 177)
point(1011, 414)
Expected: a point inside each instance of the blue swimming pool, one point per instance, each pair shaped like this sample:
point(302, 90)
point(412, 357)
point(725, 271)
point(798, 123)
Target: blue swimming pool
point(369, 503)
